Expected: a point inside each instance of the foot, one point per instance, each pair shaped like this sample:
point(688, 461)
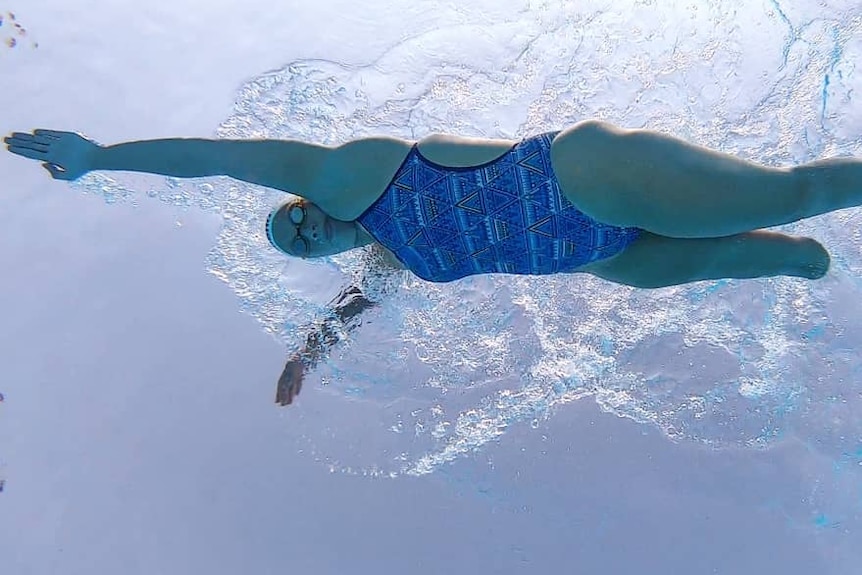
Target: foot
point(814, 259)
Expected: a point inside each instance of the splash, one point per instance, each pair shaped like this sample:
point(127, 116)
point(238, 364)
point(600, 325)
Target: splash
point(438, 371)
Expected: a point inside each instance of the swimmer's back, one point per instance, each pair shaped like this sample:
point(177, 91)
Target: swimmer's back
point(357, 173)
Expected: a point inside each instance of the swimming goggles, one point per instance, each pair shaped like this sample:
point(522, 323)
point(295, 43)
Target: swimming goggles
point(296, 213)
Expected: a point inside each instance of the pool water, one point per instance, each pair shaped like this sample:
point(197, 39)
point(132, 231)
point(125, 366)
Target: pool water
point(480, 382)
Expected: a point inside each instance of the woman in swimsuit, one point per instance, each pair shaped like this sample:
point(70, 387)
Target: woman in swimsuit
point(630, 206)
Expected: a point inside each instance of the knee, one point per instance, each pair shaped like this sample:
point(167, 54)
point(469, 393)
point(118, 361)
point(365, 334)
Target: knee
point(802, 182)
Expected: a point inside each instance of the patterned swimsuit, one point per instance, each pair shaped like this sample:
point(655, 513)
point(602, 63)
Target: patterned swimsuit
point(506, 216)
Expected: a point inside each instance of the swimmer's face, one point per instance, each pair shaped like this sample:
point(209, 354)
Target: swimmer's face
point(299, 228)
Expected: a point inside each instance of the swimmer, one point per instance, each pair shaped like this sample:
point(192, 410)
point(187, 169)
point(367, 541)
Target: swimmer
point(635, 207)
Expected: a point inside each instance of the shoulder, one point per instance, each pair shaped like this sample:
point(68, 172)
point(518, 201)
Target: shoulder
point(356, 173)
point(367, 157)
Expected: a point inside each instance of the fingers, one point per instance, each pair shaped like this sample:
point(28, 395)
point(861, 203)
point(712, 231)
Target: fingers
point(290, 382)
point(39, 136)
point(33, 146)
point(24, 144)
point(49, 133)
point(292, 392)
point(40, 147)
point(284, 396)
point(20, 136)
point(284, 392)
point(287, 392)
point(279, 392)
point(27, 152)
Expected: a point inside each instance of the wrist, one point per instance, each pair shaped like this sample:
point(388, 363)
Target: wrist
point(94, 158)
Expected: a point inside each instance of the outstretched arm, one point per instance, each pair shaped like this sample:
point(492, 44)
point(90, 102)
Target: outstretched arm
point(288, 165)
point(346, 307)
point(324, 175)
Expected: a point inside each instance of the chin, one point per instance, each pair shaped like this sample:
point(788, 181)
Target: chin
point(340, 249)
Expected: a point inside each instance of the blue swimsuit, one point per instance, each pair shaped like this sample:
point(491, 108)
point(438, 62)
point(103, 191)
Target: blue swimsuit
point(506, 216)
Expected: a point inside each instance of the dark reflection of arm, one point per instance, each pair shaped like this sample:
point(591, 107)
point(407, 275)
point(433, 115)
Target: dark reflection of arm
point(346, 308)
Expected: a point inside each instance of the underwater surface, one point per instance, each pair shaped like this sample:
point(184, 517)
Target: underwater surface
point(592, 413)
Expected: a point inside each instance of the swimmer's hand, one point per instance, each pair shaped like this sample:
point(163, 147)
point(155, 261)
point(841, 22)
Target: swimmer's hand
point(66, 155)
point(346, 307)
point(290, 382)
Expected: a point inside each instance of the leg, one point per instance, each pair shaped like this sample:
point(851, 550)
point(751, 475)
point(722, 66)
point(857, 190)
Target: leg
point(654, 261)
point(669, 187)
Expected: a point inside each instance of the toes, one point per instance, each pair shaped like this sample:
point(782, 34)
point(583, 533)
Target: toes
point(815, 272)
point(817, 262)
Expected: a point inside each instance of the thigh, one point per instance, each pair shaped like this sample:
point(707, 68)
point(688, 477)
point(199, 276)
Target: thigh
point(672, 188)
point(654, 261)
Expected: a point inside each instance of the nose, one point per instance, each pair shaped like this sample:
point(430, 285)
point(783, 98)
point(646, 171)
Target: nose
point(312, 231)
